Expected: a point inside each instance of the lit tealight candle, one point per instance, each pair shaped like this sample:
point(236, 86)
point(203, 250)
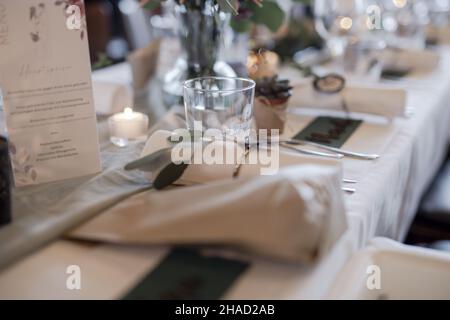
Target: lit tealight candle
point(346, 23)
point(262, 64)
point(127, 125)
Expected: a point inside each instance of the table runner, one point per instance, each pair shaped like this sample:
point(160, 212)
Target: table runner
point(42, 213)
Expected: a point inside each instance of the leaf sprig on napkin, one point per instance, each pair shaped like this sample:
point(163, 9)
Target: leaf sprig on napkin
point(160, 164)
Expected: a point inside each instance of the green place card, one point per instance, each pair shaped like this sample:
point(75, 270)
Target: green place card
point(186, 274)
point(330, 131)
point(394, 73)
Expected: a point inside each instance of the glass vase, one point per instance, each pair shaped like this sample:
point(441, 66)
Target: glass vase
point(200, 31)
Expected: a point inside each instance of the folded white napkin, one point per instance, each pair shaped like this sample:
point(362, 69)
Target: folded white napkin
point(296, 215)
point(374, 99)
point(414, 60)
point(440, 34)
point(143, 63)
point(111, 97)
point(261, 162)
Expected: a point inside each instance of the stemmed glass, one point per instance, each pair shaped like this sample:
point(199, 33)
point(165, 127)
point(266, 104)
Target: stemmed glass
point(439, 12)
point(338, 22)
point(403, 22)
point(344, 24)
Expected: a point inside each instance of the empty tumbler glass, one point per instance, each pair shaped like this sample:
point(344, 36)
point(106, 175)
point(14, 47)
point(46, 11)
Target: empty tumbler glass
point(219, 103)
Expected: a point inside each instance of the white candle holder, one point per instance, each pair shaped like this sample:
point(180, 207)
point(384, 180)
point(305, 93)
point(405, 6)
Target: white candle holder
point(127, 126)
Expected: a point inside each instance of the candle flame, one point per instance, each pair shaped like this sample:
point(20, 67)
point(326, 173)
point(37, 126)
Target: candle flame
point(346, 23)
point(128, 111)
point(400, 3)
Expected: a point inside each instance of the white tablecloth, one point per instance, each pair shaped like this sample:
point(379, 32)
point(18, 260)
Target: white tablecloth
point(388, 193)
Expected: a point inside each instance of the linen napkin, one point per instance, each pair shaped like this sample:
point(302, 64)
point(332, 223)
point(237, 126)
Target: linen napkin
point(409, 59)
point(439, 34)
point(296, 215)
point(372, 99)
point(143, 64)
point(256, 163)
point(111, 97)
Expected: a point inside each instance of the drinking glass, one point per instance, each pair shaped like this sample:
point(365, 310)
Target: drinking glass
point(345, 27)
point(439, 12)
point(404, 23)
point(339, 22)
point(219, 103)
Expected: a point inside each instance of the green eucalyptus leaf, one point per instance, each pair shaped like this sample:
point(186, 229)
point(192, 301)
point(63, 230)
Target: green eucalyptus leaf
point(171, 173)
point(242, 25)
point(191, 135)
point(270, 15)
point(153, 4)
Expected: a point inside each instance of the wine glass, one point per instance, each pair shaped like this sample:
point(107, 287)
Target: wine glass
point(403, 22)
point(339, 22)
point(439, 12)
point(345, 25)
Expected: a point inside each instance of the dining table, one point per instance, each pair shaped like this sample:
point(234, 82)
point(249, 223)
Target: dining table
point(35, 251)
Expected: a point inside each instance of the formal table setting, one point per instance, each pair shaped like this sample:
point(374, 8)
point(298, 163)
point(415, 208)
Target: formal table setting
point(176, 175)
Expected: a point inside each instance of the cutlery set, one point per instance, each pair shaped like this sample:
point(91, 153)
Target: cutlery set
point(336, 153)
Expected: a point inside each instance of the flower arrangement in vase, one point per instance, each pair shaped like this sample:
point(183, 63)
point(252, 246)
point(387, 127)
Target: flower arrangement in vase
point(201, 25)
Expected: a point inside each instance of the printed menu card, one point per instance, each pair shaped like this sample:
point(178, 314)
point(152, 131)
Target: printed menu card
point(45, 83)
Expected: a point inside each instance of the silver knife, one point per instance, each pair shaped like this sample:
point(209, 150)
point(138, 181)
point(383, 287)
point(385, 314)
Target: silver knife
point(347, 153)
point(335, 155)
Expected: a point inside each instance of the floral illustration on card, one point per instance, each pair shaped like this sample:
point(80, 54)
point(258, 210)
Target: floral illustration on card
point(75, 13)
point(35, 15)
point(22, 164)
point(4, 171)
